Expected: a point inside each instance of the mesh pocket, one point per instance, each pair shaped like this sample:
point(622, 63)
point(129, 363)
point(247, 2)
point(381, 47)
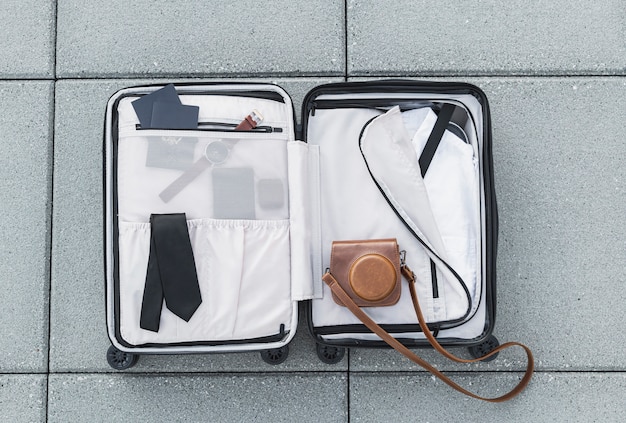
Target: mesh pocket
point(223, 175)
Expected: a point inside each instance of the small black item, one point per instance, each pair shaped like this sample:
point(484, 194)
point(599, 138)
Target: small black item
point(171, 274)
point(121, 360)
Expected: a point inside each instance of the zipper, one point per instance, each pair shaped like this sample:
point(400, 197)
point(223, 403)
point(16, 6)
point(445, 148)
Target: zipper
point(372, 103)
point(218, 127)
point(264, 95)
point(433, 279)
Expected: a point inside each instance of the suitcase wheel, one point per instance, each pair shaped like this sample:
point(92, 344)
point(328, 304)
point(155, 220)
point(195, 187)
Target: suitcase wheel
point(275, 355)
point(485, 347)
point(121, 360)
point(330, 354)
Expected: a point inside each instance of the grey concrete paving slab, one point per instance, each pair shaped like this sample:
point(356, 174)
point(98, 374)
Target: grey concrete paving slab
point(78, 340)
point(551, 397)
point(561, 188)
point(25, 175)
point(23, 398)
point(207, 38)
point(27, 29)
point(561, 185)
point(198, 398)
point(491, 37)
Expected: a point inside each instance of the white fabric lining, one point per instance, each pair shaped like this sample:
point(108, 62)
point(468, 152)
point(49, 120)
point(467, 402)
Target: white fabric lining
point(336, 132)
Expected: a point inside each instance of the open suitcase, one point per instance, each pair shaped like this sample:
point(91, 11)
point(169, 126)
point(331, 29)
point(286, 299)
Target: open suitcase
point(383, 159)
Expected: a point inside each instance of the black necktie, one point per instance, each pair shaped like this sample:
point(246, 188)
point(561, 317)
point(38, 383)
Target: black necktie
point(171, 272)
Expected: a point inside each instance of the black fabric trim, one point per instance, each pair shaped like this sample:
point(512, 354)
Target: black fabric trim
point(435, 137)
point(433, 279)
point(359, 328)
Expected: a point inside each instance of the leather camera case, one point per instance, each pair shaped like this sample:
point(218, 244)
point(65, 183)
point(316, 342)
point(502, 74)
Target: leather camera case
point(369, 271)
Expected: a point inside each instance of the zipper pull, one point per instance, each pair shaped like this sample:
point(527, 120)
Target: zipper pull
point(250, 122)
point(299, 133)
point(313, 107)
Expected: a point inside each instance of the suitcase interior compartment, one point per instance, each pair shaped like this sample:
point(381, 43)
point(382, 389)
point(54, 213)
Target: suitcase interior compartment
point(239, 212)
point(349, 204)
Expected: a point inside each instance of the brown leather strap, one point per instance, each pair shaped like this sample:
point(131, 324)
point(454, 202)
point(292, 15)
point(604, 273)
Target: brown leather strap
point(393, 342)
point(250, 122)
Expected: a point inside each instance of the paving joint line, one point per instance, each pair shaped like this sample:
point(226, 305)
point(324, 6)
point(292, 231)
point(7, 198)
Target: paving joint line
point(346, 373)
point(345, 45)
point(485, 75)
point(191, 373)
point(345, 76)
point(52, 133)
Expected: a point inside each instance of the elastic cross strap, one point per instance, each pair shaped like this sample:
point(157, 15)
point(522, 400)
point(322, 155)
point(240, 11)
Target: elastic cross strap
point(397, 345)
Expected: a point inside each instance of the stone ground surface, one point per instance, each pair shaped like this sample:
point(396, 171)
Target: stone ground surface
point(555, 75)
